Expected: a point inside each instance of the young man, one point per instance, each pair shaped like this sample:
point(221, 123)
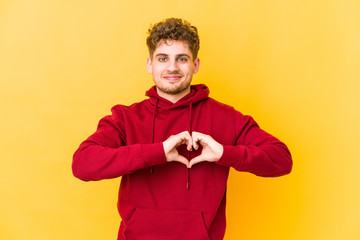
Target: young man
point(174, 150)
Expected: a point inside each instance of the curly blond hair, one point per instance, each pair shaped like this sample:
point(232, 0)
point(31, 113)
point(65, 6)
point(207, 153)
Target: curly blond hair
point(173, 29)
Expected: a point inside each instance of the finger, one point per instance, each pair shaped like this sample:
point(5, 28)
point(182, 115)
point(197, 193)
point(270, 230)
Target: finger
point(204, 139)
point(177, 140)
point(183, 138)
point(197, 138)
point(189, 141)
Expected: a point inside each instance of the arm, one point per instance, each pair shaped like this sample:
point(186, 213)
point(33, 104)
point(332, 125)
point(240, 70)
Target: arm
point(105, 154)
point(255, 150)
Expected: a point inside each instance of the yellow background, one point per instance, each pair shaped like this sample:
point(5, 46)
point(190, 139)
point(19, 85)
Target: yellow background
point(293, 65)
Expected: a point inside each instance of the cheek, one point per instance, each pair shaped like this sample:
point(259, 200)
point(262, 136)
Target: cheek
point(158, 73)
point(187, 70)
point(157, 70)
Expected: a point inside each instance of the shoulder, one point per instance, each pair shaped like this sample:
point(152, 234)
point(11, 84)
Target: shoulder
point(120, 108)
point(119, 113)
point(214, 104)
point(227, 110)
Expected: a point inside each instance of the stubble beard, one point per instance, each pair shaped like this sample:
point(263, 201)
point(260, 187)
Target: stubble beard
point(173, 89)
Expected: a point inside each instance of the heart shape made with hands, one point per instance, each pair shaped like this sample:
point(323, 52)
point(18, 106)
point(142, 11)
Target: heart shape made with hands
point(211, 149)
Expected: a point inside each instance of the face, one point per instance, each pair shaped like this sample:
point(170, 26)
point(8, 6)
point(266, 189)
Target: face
point(172, 66)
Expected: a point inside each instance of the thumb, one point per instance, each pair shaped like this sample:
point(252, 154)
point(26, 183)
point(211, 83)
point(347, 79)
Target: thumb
point(183, 160)
point(196, 160)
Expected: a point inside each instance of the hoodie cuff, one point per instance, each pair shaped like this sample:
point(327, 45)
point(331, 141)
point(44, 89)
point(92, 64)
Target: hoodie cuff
point(153, 154)
point(230, 155)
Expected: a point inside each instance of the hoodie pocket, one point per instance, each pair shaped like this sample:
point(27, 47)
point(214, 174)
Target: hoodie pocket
point(146, 224)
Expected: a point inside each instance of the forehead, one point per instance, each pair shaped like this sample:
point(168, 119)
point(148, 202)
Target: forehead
point(172, 47)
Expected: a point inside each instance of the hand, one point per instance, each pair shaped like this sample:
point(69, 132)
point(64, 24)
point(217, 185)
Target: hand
point(211, 152)
point(173, 142)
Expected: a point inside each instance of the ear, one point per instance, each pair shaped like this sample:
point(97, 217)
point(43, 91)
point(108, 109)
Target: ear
point(196, 65)
point(149, 65)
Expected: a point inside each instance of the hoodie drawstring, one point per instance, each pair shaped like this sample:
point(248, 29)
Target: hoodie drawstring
point(153, 129)
point(190, 131)
point(198, 93)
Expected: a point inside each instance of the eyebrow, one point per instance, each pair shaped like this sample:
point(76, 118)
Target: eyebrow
point(179, 55)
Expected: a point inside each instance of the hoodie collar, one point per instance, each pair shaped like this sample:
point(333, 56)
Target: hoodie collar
point(197, 93)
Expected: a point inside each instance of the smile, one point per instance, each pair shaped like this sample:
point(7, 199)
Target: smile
point(173, 77)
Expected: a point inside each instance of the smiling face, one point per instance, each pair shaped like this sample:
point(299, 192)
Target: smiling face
point(172, 66)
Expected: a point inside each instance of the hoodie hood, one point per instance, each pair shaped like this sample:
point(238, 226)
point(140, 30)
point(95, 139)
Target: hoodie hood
point(198, 93)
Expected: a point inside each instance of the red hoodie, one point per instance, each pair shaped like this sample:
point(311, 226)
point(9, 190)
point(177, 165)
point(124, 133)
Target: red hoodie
point(160, 200)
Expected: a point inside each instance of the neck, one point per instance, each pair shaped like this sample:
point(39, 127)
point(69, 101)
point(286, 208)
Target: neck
point(173, 97)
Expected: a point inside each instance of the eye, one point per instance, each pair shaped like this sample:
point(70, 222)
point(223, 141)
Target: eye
point(162, 59)
point(182, 59)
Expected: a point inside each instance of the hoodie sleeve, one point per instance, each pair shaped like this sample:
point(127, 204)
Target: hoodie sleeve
point(256, 151)
point(105, 155)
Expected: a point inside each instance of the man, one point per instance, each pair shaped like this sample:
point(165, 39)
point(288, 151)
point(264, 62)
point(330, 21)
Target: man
point(174, 150)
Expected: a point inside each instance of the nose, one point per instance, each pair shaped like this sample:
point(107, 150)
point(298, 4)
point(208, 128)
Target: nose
point(173, 66)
